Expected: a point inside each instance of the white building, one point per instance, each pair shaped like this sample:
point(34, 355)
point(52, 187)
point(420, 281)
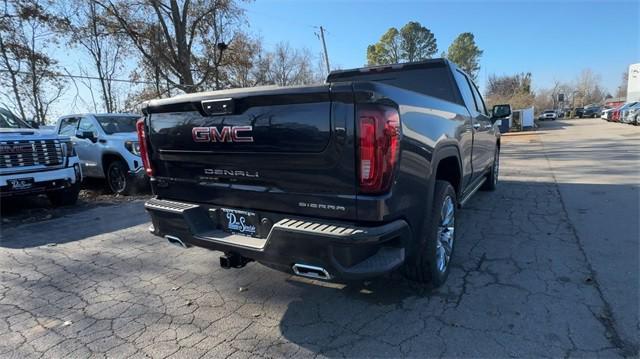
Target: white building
point(633, 84)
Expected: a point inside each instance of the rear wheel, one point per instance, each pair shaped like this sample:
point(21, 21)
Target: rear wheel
point(492, 177)
point(118, 178)
point(431, 261)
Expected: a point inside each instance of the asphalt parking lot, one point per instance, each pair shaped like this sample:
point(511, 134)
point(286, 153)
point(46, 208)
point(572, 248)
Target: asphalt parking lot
point(545, 266)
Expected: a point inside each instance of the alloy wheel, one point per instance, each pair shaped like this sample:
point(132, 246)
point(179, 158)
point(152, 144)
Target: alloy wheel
point(446, 234)
point(117, 179)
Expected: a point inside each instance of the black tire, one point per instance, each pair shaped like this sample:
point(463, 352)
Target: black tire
point(423, 265)
point(64, 197)
point(118, 179)
point(492, 177)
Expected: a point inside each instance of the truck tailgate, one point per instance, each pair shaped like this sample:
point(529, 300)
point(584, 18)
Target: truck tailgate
point(280, 150)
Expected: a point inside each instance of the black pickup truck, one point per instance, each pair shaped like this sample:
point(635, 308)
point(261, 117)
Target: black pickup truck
point(341, 181)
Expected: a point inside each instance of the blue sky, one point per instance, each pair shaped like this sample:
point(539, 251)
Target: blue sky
point(552, 40)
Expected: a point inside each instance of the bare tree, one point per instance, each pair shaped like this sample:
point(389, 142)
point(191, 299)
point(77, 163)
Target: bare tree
point(622, 89)
point(515, 90)
point(11, 67)
point(290, 66)
point(85, 26)
point(244, 56)
point(25, 30)
point(587, 84)
point(192, 35)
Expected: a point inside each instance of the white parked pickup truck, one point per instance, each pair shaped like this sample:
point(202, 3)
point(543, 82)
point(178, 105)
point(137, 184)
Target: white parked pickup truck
point(36, 161)
point(108, 147)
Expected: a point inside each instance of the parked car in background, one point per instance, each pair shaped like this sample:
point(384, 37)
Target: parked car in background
point(577, 112)
point(606, 114)
point(592, 111)
point(616, 114)
point(548, 115)
point(108, 147)
point(630, 114)
point(34, 161)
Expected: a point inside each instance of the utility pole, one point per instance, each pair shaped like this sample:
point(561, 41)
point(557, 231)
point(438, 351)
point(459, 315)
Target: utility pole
point(324, 45)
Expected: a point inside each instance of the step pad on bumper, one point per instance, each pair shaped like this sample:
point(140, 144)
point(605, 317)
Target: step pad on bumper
point(169, 206)
point(319, 228)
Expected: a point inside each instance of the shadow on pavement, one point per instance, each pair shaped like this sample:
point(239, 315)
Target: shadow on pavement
point(37, 208)
point(81, 225)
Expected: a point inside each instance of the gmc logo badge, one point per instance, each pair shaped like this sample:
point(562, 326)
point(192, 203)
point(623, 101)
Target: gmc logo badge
point(227, 134)
point(13, 149)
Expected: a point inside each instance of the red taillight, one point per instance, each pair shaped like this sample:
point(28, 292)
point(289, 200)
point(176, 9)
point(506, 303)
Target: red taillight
point(379, 141)
point(144, 153)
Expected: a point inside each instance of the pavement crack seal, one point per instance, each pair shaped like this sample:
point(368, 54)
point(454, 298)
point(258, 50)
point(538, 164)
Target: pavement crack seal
point(605, 318)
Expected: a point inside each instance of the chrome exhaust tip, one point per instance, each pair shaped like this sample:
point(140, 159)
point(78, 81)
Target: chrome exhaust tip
point(176, 241)
point(308, 271)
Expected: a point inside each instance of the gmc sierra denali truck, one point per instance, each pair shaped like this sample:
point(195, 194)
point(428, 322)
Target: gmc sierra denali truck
point(342, 181)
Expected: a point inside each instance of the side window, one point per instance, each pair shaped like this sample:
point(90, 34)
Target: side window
point(86, 125)
point(68, 126)
point(479, 101)
point(465, 89)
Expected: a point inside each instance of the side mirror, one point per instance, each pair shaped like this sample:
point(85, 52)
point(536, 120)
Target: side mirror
point(501, 111)
point(88, 135)
point(34, 124)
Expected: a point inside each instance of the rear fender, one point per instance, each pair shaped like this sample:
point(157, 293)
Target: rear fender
point(445, 151)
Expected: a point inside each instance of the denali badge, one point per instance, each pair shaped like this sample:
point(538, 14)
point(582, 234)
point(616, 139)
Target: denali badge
point(227, 134)
point(230, 173)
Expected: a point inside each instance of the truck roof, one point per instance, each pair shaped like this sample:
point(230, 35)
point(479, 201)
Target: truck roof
point(101, 114)
point(336, 75)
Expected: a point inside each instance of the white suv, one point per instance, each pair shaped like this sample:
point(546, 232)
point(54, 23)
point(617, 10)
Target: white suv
point(36, 161)
point(107, 145)
point(548, 115)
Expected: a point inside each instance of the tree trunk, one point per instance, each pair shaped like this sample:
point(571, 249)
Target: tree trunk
point(14, 80)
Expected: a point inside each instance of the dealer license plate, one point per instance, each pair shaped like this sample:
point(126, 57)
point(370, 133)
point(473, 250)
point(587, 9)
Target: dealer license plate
point(240, 222)
point(21, 183)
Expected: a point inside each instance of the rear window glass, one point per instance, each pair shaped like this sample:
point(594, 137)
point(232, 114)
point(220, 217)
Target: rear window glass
point(116, 124)
point(68, 126)
point(434, 81)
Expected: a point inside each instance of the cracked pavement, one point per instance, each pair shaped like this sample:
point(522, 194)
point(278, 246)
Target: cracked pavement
point(532, 275)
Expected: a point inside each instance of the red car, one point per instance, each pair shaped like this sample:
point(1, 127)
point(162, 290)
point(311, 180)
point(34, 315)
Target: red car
point(614, 116)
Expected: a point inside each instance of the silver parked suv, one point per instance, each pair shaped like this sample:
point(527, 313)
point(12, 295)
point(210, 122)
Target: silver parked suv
point(107, 145)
